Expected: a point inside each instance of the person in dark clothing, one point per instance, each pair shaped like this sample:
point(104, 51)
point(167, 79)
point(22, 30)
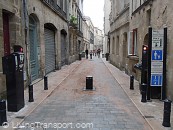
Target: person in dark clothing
point(98, 52)
point(86, 52)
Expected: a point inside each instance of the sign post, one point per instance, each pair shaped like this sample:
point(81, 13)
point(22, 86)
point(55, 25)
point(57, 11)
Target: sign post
point(157, 58)
point(157, 69)
point(164, 65)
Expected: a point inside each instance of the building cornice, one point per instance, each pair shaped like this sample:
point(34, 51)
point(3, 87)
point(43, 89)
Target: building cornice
point(147, 2)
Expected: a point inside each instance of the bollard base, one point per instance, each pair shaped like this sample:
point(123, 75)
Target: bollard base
point(166, 124)
point(85, 89)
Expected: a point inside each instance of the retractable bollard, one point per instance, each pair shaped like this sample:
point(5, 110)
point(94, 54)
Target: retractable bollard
point(45, 83)
point(131, 82)
point(167, 113)
point(31, 99)
point(144, 92)
point(3, 114)
point(89, 83)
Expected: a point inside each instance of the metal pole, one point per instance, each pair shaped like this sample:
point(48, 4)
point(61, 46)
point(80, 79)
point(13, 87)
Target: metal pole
point(164, 65)
point(131, 82)
point(149, 63)
point(31, 99)
point(45, 83)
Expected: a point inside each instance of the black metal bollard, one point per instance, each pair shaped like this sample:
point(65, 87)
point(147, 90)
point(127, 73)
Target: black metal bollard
point(103, 55)
point(144, 92)
point(131, 82)
point(167, 113)
point(107, 56)
point(89, 83)
point(31, 99)
point(45, 83)
point(90, 56)
point(3, 114)
point(79, 56)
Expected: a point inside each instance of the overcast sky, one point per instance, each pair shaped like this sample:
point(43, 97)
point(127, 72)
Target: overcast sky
point(94, 9)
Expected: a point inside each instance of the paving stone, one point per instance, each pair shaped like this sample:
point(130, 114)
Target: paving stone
point(107, 108)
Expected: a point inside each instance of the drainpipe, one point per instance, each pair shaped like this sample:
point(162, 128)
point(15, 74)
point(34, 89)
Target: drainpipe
point(26, 23)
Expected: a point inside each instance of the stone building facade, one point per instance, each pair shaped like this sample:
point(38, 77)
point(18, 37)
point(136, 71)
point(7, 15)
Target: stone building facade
point(47, 37)
point(91, 33)
point(86, 35)
point(42, 28)
point(98, 39)
point(157, 14)
point(119, 27)
point(75, 29)
point(11, 32)
point(107, 10)
point(129, 22)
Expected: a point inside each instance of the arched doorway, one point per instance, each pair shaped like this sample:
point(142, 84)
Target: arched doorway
point(50, 55)
point(33, 42)
point(145, 40)
point(63, 47)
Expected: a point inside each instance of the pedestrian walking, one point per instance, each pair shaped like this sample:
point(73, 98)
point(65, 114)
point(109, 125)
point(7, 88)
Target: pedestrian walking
point(91, 54)
point(98, 52)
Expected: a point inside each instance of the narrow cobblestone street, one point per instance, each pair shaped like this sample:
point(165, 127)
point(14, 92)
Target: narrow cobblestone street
point(107, 108)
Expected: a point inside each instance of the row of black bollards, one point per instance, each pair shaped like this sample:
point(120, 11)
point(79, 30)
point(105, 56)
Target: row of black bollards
point(167, 103)
point(3, 115)
point(31, 97)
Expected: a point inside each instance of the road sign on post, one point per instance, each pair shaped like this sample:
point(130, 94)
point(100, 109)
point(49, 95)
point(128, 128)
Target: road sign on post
point(157, 61)
point(157, 58)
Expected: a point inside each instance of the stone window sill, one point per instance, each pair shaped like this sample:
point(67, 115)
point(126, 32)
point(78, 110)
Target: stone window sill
point(133, 57)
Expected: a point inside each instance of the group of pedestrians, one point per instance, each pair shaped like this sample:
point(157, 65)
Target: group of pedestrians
point(94, 52)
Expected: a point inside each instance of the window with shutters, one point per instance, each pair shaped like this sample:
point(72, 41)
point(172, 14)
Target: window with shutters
point(117, 46)
point(65, 6)
point(132, 42)
point(113, 45)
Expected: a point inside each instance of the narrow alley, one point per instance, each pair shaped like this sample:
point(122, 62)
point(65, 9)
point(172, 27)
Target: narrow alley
point(105, 108)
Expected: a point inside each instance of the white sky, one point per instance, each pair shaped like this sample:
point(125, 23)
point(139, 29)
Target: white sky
point(94, 9)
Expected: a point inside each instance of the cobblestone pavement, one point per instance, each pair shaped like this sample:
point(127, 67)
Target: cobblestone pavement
point(106, 108)
point(151, 111)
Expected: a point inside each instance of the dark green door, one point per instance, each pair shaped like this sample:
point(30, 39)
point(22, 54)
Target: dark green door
point(33, 49)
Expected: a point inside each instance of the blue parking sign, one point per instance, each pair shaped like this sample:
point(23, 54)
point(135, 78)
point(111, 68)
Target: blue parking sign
point(156, 80)
point(157, 55)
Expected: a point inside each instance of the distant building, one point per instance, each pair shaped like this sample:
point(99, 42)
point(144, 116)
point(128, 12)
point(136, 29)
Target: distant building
point(119, 28)
point(98, 39)
point(76, 44)
point(107, 10)
point(91, 33)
